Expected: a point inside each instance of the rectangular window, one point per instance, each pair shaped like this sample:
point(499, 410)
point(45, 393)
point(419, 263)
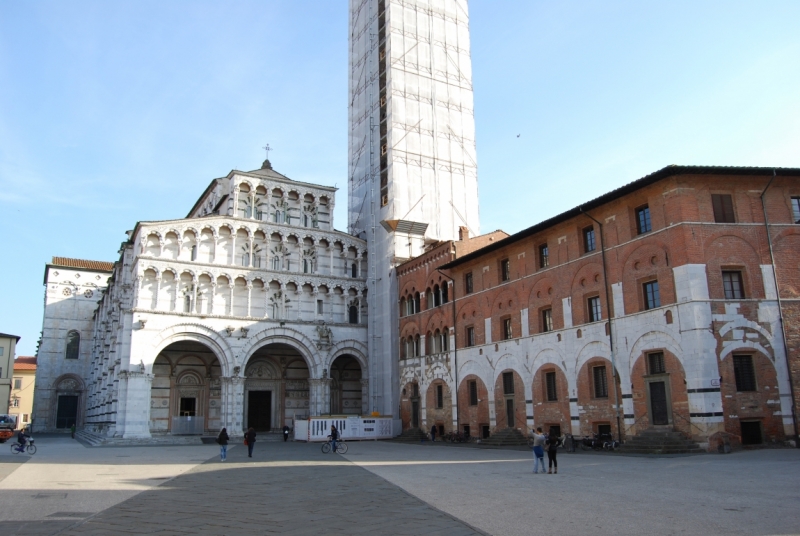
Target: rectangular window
point(439, 397)
point(470, 336)
point(508, 383)
point(468, 283)
point(589, 243)
point(17, 383)
point(319, 307)
point(25, 417)
point(473, 393)
point(723, 208)
point(505, 270)
point(652, 297)
point(550, 383)
point(600, 382)
point(15, 402)
point(796, 209)
point(544, 256)
point(506, 328)
point(656, 364)
point(595, 313)
point(732, 284)
point(744, 372)
point(643, 220)
point(547, 320)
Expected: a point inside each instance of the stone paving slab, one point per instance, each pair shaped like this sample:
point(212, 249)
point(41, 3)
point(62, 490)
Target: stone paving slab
point(286, 488)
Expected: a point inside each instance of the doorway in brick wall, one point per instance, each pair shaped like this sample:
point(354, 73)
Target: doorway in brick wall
point(415, 414)
point(751, 432)
point(659, 399)
point(510, 412)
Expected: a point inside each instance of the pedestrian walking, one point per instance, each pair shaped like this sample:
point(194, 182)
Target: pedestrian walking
point(538, 449)
point(222, 439)
point(552, 450)
point(433, 433)
point(72, 429)
point(334, 437)
point(250, 441)
point(285, 433)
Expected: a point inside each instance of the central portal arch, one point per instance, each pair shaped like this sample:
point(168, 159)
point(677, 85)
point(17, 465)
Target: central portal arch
point(276, 388)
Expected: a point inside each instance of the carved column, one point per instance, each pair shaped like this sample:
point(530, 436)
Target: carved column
point(232, 411)
point(365, 396)
point(133, 417)
point(319, 396)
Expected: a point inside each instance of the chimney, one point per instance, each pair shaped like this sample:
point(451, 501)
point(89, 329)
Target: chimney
point(463, 233)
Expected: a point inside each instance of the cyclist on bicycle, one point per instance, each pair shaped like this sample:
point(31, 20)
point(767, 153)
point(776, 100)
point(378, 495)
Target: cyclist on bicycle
point(334, 437)
point(22, 438)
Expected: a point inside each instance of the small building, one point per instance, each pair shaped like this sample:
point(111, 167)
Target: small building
point(661, 303)
point(22, 389)
point(8, 346)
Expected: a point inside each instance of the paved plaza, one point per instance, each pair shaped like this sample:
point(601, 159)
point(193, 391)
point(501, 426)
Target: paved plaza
point(391, 488)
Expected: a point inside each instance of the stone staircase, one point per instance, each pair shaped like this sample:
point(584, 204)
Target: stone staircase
point(660, 440)
point(93, 439)
point(508, 437)
point(412, 435)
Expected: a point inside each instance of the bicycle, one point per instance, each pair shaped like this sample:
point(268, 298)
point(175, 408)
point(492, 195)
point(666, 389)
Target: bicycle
point(30, 448)
point(341, 446)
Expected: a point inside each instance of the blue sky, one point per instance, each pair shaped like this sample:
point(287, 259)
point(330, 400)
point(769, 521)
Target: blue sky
point(116, 112)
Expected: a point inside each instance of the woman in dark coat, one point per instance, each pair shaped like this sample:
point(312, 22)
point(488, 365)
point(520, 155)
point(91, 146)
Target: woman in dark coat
point(250, 437)
point(552, 450)
point(222, 439)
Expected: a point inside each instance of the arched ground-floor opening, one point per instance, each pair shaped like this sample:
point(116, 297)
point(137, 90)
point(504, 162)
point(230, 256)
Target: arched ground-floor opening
point(438, 407)
point(346, 386)
point(551, 400)
point(67, 403)
point(473, 407)
point(186, 394)
point(596, 384)
point(509, 401)
point(276, 388)
point(410, 406)
point(659, 390)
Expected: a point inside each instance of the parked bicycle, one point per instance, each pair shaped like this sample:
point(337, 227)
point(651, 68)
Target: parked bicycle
point(341, 446)
point(29, 447)
point(599, 442)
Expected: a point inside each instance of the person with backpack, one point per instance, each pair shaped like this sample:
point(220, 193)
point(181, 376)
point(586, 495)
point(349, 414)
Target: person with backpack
point(552, 450)
point(250, 441)
point(538, 449)
point(222, 439)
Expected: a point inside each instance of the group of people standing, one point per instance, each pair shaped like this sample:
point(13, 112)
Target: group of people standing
point(223, 438)
point(540, 442)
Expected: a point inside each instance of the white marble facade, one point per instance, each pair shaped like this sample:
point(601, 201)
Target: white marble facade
point(249, 312)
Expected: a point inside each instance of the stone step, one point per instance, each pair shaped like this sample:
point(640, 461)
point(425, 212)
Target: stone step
point(625, 450)
point(506, 438)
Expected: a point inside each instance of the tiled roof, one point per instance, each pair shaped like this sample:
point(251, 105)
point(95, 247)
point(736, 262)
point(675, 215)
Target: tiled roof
point(25, 363)
point(9, 336)
point(621, 191)
point(100, 266)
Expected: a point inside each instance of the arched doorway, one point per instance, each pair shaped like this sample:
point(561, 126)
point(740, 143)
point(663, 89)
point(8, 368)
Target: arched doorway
point(276, 388)
point(346, 386)
point(68, 402)
point(186, 393)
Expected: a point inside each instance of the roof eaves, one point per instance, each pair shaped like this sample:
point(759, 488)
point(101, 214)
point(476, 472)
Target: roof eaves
point(647, 180)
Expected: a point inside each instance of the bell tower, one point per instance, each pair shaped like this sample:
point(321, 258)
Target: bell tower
point(412, 162)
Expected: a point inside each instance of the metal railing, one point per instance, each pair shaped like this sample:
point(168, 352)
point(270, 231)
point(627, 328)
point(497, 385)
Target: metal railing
point(188, 425)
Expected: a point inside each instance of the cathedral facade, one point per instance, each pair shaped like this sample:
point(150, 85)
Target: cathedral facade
point(251, 311)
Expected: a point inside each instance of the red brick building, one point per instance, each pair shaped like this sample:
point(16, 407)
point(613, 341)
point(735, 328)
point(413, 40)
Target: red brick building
point(654, 304)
